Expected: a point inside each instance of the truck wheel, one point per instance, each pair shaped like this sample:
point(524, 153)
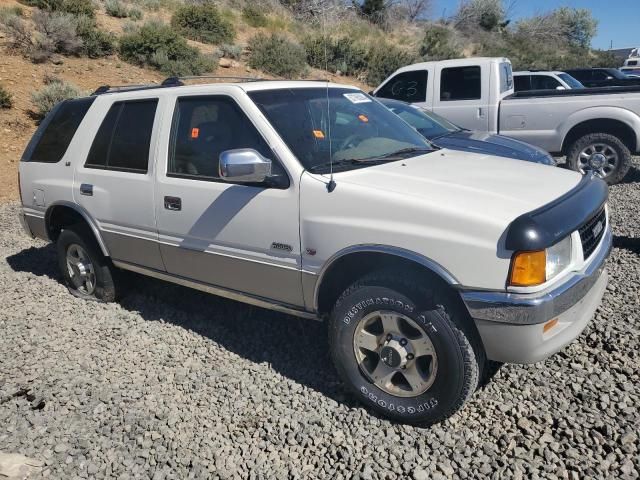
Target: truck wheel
point(601, 153)
point(87, 273)
point(405, 348)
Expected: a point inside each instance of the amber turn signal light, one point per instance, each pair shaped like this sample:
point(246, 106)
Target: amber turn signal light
point(528, 269)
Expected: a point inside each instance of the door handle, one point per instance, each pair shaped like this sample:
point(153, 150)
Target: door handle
point(173, 203)
point(86, 189)
point(480, 112)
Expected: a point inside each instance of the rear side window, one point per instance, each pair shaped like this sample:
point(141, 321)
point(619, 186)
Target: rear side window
point(406, 86)
point(522, 82)
point(544, 82)
point(460, 83)
point(51, 140)
point(124, 138)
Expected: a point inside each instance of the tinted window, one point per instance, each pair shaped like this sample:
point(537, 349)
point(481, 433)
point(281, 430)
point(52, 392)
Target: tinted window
point(203, 128)
point(632, 63)
point(600, 75)
point(544, 82)
point(428, 124)
point(569, 80)
point(406, 86)
point(124, 138)
point(582, 75)
point(460, 83)
point(506, 77)
point(51, 140)
point(522, 82)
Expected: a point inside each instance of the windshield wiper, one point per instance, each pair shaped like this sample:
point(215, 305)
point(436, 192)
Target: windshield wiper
point(402, 151)
point(388, 157)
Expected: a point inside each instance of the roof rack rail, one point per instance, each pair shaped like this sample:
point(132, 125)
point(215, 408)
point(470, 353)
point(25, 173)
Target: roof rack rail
point(123, 88)
point(178, 81)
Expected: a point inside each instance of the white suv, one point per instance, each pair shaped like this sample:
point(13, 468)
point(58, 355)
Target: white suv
point(315, 200)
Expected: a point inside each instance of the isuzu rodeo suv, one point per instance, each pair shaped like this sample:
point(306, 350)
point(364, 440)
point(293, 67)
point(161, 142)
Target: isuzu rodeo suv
point(315, 200)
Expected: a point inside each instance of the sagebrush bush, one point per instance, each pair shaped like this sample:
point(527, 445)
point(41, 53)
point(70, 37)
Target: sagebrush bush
point(438, 43)
point(50, 95)
point(96, 43)
point(135, 14)
point(161, 47)
point(204, 23)
point(6, 101)
point(228, 50)
point(341, 54)
point(16, 10)
point(278, 55)
point(73, 7)
point(254, 16)
point(56, 32)
point(384, 59)
point(115, 8)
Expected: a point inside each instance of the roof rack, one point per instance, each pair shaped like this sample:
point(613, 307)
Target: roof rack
point(122, 88)
point(178, 81)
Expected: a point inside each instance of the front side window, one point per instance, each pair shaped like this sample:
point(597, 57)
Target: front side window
point(124, 138)
point(406, 86)
point(51, 140)
point(544, 82)
point(326, 127)
point(460, 83)
point(203, 128)
point(522, 83)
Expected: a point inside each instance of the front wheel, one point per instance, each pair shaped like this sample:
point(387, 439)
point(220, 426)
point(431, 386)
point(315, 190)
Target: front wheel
point(600, 153)
point(403, 349)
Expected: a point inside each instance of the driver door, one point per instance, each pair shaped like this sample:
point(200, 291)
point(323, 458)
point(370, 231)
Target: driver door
point(239, 237)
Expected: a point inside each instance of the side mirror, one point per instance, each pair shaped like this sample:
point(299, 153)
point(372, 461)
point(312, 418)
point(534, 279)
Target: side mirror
point(244, 165)
point(609, 77)
point(560, 87)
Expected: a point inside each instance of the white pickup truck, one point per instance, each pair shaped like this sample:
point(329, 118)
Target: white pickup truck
point(597, 129)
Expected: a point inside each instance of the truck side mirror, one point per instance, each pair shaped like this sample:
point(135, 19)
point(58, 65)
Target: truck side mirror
point(244, 165)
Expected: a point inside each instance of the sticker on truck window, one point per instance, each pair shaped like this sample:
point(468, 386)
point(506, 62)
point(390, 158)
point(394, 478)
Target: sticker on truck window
point(356, 97)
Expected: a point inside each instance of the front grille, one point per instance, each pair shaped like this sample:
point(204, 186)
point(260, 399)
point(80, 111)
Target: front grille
point(591, 233)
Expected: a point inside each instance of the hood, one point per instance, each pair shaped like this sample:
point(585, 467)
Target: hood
point(496, 189)
point(487, 144)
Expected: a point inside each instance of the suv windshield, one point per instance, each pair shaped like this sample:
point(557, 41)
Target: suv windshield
point(337, 125)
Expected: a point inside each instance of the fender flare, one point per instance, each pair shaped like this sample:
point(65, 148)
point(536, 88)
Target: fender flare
point(616, 114)
point(85, 215)
point(426, 262)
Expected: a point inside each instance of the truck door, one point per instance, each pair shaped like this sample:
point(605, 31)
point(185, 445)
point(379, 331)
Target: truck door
point(115, 183)
point(412, 86)
point(462, 95)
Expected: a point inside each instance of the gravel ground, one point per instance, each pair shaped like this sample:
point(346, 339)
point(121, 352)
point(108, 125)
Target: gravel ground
point(172, 383)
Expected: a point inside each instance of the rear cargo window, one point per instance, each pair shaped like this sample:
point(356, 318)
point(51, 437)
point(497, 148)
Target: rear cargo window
point(124, 138)
point(406, 86)
point(51, 140)
point(460, 83)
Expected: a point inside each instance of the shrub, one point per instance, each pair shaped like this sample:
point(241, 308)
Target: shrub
point(335, 54)
point(254, 16)
point(159, 46)
point(115, 8)
point(277, 55)
point(17, 32)
point(135, 14)
point(438, 44)
point(203, 23)
point(384, 59)
point(6, 101)
point(13, 10)
point(78, 7)
point(96, 43)
point(50, 95)
point(56, 32)
point(233, 52)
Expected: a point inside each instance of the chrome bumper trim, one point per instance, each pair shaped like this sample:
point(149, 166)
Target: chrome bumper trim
point(533, 308)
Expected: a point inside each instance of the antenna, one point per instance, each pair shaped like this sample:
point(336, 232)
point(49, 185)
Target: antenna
point(332, 184)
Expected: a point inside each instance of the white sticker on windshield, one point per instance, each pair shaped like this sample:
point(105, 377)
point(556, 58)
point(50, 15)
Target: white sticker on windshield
point(356, 97)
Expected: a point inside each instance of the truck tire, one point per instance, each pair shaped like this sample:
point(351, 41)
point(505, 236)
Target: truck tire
point(86, 272)
point(602, 153)
point(405, 349)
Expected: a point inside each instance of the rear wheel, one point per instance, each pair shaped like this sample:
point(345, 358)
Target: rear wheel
point(405, 350)
point(87, 273)
point(600, 153)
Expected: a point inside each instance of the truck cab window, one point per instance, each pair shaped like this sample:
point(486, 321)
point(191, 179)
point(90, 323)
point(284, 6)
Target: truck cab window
point(460, 83)
point(406, 86)
point(544, 82)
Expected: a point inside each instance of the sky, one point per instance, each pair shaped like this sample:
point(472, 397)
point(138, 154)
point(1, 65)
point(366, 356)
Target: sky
point(619, 20)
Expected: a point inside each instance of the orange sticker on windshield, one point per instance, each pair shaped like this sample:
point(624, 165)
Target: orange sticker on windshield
point(318, 134)
point(363, 118)
point(195, 132)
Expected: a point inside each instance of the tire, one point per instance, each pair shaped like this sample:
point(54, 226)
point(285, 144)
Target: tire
point(426, 312)
point(585, 147)
point(80, 259)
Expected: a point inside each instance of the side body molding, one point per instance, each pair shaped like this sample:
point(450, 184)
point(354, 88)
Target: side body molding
point(85, 215)
point(430, 264)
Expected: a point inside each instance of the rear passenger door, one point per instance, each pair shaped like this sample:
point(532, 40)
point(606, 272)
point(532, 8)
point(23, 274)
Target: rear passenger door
point(240, 237)
point(462, 97)
point(115, 182)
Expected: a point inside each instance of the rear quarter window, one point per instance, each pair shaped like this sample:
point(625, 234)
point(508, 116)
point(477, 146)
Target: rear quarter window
point(51, 140)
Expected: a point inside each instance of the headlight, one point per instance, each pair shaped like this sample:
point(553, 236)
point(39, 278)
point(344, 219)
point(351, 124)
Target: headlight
point(529, 269)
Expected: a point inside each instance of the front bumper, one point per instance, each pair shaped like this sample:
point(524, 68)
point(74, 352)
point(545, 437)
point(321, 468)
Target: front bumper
point(511, 325)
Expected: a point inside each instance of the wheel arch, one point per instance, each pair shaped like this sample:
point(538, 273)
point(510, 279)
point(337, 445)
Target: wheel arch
point(616, 127)
point(65, 213)
point(351, 263)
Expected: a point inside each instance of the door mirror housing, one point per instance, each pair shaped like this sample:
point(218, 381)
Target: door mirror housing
point(560, 87)
point(244, 165)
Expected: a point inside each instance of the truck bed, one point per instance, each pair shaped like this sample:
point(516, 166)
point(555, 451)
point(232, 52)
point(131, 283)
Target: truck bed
point(574, 92)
